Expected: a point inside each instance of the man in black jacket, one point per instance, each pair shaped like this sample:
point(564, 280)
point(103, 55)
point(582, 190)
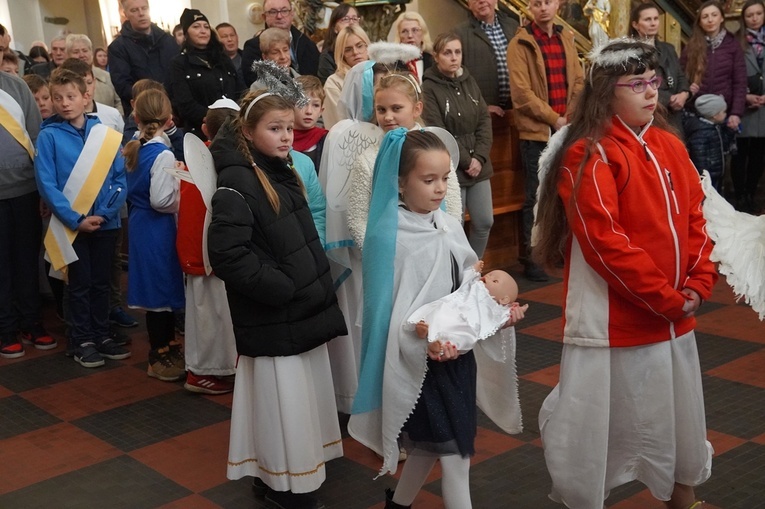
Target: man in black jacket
point(142, 50)
point(305, 54)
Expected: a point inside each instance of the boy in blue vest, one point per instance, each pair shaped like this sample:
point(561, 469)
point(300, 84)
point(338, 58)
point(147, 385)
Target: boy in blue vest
point(81, 176)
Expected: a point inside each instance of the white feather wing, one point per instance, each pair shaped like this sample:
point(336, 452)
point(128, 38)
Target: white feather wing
point(346, 141)
point(739, 246)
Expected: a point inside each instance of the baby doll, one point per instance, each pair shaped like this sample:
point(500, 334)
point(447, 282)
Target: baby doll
point(475, 311)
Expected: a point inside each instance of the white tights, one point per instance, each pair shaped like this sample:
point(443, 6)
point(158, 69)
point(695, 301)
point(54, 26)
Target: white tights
point(455, 480)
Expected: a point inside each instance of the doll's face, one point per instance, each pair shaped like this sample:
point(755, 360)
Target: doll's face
point(501, 286)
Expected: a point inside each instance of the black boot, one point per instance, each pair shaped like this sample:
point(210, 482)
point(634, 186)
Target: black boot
point(289, 500)
point(390, 504)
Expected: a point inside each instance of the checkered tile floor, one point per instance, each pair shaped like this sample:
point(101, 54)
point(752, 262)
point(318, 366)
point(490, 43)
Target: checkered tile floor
point(112, 437)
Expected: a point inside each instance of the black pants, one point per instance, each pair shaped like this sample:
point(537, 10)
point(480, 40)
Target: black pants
point(20, 236)
point(530, 152)
point(88, 289)
point(747, 166)
point(161, 328)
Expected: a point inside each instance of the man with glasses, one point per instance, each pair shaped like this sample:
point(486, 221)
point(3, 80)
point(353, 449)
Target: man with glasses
point(545, 80)
point(305, 54)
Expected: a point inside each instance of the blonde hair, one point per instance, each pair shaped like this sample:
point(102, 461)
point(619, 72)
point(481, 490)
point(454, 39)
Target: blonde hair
point(427, 43)
point(252, 108)
point(271, 36)
point(312, 86)
point(152, 110)
point(73, 39)
point(342, 38)
point(402, 82)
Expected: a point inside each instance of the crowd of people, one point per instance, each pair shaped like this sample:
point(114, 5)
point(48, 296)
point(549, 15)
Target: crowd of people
point(344, 174)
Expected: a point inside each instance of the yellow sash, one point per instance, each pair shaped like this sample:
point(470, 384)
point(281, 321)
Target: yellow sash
point(10, 111)
point(81, 189)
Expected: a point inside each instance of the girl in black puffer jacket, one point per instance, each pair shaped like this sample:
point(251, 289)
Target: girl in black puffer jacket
point(263, 244)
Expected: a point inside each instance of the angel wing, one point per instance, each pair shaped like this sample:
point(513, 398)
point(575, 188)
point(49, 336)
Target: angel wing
point(347, 140)
point(739, 246)
point(199, 161)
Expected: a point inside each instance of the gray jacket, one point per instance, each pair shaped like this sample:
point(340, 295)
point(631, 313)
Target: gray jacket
point(478, 54)
point(753, 120)
point(17, 170)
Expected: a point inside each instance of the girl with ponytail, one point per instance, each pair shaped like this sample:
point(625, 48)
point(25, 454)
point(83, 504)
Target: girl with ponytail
point(155, 280)
point(262, 242)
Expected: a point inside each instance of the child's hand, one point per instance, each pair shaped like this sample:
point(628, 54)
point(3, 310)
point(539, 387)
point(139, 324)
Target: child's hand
point(692, 302)
point(434, 349)
point(446, 352)
point(422, 330)
point(478, 266)
point(517, 313)
point(90, 224)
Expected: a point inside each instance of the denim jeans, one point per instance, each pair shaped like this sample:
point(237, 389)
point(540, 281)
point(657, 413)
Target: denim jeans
point(20, 236)
point(476, 199)
point(88, 289)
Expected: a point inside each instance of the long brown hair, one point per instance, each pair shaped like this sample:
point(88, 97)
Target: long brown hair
point(152, 110)
point(590, 120)
point(249, 116)
point(742, 21)
point(696, 49)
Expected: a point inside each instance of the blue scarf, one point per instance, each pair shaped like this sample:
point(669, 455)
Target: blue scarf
point(377, 269)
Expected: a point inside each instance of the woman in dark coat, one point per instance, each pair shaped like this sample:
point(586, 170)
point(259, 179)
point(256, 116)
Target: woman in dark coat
point(454, 102)
point(201, 74)
point(675, 89)
point(714, 62)
point(749, 162)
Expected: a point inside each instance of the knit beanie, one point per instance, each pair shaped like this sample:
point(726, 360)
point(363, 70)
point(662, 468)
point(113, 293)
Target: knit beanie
point(190, 16)
point(709, 105)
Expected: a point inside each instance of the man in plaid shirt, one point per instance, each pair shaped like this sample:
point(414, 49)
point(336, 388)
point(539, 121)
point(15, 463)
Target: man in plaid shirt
point(542, 101)
point(485, 35)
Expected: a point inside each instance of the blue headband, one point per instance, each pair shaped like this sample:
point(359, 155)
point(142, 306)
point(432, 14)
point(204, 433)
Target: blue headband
point(377, 270)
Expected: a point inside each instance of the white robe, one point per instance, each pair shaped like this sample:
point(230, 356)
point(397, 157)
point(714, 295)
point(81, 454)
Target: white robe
point(425, 245)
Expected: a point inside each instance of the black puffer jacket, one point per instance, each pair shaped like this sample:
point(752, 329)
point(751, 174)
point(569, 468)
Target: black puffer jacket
point(134, 56)
point(277, 276)
point(197, 79)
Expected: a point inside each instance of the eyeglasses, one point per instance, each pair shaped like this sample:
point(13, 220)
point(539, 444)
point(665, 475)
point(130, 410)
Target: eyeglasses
point(411, 31)
point(278, 12)
point(350, 50)
point(639, 86)
point(352, 20)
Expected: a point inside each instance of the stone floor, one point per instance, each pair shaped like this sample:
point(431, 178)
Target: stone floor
point(111, 437)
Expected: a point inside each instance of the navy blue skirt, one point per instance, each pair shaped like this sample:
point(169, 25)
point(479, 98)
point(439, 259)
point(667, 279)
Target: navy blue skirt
point(444, 418)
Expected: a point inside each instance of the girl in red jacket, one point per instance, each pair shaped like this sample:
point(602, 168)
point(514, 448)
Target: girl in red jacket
point(621, 205)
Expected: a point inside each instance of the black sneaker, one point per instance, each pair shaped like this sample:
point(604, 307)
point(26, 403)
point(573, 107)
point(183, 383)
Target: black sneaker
point(289, 500)
point(11, 347)
point(119, 338)
point(110, 350)
point(534, 272)
point(87, 356)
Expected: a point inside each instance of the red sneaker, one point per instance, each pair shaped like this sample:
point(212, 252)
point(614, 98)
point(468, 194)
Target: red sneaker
point(39, 338)
point(207, 384)
point(11, 348)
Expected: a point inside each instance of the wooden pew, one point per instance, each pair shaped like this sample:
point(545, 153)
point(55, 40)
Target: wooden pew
point(505, 239)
